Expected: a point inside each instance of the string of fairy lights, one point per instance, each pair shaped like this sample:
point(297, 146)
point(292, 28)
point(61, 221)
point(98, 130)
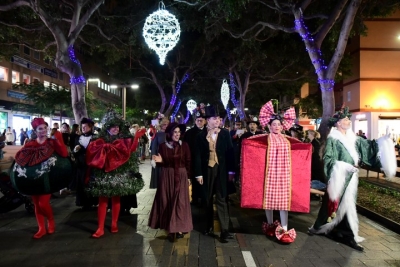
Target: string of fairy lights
point(319, 63)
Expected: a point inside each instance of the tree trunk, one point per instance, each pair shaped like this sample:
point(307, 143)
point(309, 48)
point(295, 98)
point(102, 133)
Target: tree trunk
point(74, 70)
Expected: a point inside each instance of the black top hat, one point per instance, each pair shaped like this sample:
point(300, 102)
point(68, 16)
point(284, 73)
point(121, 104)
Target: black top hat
point(210, 111)
point(253, 121)
point(87, 121)
point(296, 128)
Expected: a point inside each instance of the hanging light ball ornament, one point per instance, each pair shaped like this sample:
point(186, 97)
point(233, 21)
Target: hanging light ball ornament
point(191, 105)
point(225, 93)
point(161, 32)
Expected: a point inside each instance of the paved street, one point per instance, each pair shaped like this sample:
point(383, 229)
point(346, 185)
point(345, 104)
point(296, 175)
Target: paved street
point(137, 245)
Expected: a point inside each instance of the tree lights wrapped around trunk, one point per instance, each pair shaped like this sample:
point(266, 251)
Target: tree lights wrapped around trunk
point(161, 32)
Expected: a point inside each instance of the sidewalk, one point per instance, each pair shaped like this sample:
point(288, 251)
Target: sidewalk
point(137, 245)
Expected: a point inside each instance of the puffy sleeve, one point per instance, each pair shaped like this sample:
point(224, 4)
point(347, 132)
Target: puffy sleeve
point(378, 154)
point(59, 148)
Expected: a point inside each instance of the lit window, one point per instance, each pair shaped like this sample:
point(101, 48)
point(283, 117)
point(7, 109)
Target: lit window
point(3, 74)
point(102, 85)
point(15, 76)
point(26, 78)
point(348, 96)
point(46, 84)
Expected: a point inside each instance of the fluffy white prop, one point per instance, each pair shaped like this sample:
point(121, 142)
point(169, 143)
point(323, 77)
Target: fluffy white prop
point(387, 156)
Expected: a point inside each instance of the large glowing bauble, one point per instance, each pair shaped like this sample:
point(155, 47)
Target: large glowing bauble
point(161, 32)
point(191, 105)
point(225, 93)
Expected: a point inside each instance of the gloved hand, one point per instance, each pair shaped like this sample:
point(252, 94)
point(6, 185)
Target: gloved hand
point(351, 168)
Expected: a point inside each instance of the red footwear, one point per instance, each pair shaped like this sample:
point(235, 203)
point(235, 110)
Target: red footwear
point(99, 233)
point(286, 237)
point(40, 233)
point(50, 226)
point(269, 229)
point(114, 229)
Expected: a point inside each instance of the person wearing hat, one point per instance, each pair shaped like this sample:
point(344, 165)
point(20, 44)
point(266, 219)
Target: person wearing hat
point(296, 131)
point(344, 152)
point(114, 171)
point(214, 168)
point(37, 180)
point(253, 125)
point(171, 207)
point(190, 139)
point(155, 143)
point(81, 143)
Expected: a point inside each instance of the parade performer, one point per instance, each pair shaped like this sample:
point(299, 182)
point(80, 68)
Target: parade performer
point(214, 169)
point(112, 159)
point(41, 168)
point(344, 153)
point(81, 143)
point(279, 176)
point(155, 143)
point(171, 207)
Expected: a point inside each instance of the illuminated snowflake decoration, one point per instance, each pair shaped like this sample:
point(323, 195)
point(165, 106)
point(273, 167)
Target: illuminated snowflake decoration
point(161, 32)
point(225, 93)
point(191, 105)
point(233, 111)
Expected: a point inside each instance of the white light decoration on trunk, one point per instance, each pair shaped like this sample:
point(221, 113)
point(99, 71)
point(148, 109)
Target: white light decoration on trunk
point(225, 93)
point(191, 105)
point(161, 32)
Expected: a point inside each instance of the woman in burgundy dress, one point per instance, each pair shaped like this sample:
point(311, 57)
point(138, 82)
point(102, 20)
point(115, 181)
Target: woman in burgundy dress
point(171, 207)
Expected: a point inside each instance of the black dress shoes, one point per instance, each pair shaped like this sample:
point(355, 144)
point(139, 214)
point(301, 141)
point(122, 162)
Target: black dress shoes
point(209, 232)
point(225, 235)
point(355, 245)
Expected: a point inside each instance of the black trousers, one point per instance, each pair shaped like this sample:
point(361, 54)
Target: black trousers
point(214, 188)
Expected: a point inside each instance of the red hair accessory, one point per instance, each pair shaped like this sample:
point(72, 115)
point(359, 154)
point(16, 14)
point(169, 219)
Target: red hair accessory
point(36, 122)
point(267, 113)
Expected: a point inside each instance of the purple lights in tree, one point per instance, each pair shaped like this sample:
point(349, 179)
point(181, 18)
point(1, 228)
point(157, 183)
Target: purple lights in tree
point(318, 63)
point(72, 57)
point(178, 88)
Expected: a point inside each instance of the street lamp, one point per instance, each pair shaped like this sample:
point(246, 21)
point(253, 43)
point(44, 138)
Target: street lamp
point(133, 86)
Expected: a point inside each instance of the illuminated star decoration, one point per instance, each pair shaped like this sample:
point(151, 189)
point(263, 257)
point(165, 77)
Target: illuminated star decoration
point(161, 32)
point(191, 105)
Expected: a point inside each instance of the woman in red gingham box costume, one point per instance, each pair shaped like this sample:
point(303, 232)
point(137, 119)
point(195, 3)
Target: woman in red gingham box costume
point(277, 186)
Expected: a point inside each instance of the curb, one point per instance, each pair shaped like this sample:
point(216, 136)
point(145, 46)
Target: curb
point(389, 224)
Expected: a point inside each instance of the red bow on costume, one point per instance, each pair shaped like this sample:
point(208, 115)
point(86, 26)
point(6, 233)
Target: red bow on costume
point(267, 113)
point(109, 156)
point(281, 233)
point(152, 132)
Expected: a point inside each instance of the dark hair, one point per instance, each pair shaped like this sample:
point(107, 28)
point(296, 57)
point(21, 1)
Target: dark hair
point(169, 132)
point(274, 118)
point(75, 128)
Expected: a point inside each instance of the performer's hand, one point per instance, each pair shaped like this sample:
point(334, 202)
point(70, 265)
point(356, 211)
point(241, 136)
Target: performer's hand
point(231, 177)
point(157, 158)
point(76, 148)
point(190, 182)
point(199, 180)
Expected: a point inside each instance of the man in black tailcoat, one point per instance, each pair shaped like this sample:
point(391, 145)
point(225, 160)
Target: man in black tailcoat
point(214, 169)
point(190, 138)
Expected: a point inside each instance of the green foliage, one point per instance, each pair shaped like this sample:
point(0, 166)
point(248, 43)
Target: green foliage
point(380, 190)
point(311, 105)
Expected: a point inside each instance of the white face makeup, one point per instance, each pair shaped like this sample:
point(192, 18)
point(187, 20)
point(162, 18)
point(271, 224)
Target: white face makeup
point(276, 127)
point(114, 130)
point(41, 131)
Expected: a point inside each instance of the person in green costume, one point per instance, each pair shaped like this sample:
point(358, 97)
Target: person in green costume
point(344, 153)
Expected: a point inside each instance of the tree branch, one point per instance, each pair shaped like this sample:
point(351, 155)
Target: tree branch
point(22, 28)
point(83, 20)
point(15, 5)
point(330, 22)
point(75, 16)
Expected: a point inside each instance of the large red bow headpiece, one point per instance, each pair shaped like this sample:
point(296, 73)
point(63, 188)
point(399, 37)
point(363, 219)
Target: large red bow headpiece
point(267, 113)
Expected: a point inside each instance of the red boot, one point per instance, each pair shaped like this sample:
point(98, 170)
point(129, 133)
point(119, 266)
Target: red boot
point(101, 216)
point(269, 229)
point(45, 206)
point(116, 206)
point(39, 218)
